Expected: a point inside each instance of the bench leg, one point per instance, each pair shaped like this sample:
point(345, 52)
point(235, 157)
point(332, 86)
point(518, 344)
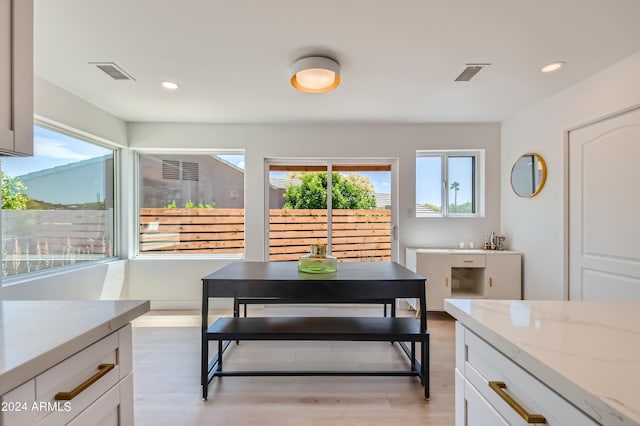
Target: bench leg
point(413, 355)
point(220, 355)
point(204, 368)
point(425, 365)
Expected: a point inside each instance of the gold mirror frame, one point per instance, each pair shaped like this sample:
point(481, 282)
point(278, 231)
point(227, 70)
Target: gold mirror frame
point(530, 172)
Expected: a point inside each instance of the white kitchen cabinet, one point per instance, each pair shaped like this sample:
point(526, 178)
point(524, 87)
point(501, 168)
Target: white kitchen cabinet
point(491, 389)
point(476, 274)
point(98, 379)
point(16, 77)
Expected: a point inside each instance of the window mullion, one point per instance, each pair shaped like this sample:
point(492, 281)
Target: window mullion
point(329, 206)
point(445, 185)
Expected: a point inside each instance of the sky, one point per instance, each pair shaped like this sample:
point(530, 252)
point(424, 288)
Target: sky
point(51, 149)
point(429, 178)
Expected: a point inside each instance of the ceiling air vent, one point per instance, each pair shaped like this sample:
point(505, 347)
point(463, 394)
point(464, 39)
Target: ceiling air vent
point(470, 71)
point(113, 70)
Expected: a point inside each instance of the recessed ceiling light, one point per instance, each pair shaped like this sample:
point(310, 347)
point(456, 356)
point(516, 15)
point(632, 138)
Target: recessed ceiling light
point(553, 66)
point(169, 85)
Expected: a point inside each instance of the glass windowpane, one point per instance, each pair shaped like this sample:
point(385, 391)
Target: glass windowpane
point(428, 186)
point(192, 204)
point(461, 184)
point(57, 206)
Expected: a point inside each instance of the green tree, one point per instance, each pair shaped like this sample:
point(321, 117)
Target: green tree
point(456, 187)
point(311, 193)
point(13, 196)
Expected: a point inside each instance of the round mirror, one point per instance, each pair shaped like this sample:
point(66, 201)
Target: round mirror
point(528, 175)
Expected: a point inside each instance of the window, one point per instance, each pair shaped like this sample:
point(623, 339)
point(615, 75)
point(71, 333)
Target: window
point(191, 204)
point(354, 218)
point(447, 183)
point(57, 206)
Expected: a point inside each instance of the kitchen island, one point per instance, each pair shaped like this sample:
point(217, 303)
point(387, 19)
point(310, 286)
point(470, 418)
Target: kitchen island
point(64, 361)
point(567, 362)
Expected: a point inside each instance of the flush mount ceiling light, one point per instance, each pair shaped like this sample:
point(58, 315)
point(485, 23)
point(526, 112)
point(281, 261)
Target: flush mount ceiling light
point(169, 85)
point(553, 66)
point(315, 74)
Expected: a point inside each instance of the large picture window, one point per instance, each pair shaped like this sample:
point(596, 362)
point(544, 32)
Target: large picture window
point(447, 183)
point(57, 206)
point(191, 204)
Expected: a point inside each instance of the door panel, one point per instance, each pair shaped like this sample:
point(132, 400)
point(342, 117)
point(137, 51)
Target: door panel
point(604, 202)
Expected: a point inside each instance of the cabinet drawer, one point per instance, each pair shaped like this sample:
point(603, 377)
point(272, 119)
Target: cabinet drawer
point(468, 260)
point(481, 364)
point(107, 361)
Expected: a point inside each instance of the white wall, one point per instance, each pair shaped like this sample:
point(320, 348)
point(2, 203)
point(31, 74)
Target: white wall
point(55, 105)
point(537, 226)
point(179, 280)
point(104, 280)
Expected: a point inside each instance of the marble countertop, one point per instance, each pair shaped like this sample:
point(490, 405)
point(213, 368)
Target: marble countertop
point(35, 335)
point(588, 352)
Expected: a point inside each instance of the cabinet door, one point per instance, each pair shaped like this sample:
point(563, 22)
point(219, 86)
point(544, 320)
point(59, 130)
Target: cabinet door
point(437, 269)
point(6, 134)
point(16, 77)
point(503, 278)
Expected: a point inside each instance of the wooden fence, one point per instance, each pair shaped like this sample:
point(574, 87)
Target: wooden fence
point(358, 235)
point(33, 240)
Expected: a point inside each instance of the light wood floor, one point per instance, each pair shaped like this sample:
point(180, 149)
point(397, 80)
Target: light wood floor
point(166, 348)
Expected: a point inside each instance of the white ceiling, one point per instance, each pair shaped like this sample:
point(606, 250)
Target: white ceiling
point(399, 58)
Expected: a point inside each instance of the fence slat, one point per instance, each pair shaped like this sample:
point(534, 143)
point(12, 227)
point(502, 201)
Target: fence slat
point(357, 234)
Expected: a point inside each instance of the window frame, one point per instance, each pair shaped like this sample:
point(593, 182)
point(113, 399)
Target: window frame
point(478, 193)
point(137, 187)
point(116, 241)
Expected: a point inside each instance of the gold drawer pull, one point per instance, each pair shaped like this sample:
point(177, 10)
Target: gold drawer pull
point(468, 260)
point(529, 418)
point(103, 369)
point(446, 281)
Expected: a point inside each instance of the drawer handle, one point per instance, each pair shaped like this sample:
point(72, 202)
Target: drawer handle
point(103, 369)
point(446, 281)
point(468, 260)
point(498, 387)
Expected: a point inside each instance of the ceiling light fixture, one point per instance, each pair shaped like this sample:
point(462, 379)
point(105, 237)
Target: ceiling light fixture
point(169, 85)
point(553, 66)
point(315, 74)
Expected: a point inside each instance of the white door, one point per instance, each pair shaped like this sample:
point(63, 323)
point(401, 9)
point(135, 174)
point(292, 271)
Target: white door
point(604, 209)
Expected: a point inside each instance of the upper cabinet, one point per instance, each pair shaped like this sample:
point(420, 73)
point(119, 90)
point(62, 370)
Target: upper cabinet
point(16, 77)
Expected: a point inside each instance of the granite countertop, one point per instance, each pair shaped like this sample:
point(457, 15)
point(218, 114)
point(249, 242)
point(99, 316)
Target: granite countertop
point(588, 352)
point(35, 335)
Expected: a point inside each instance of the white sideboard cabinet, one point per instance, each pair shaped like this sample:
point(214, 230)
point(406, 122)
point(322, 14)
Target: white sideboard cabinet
point(16, 77)
point(469, 274)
